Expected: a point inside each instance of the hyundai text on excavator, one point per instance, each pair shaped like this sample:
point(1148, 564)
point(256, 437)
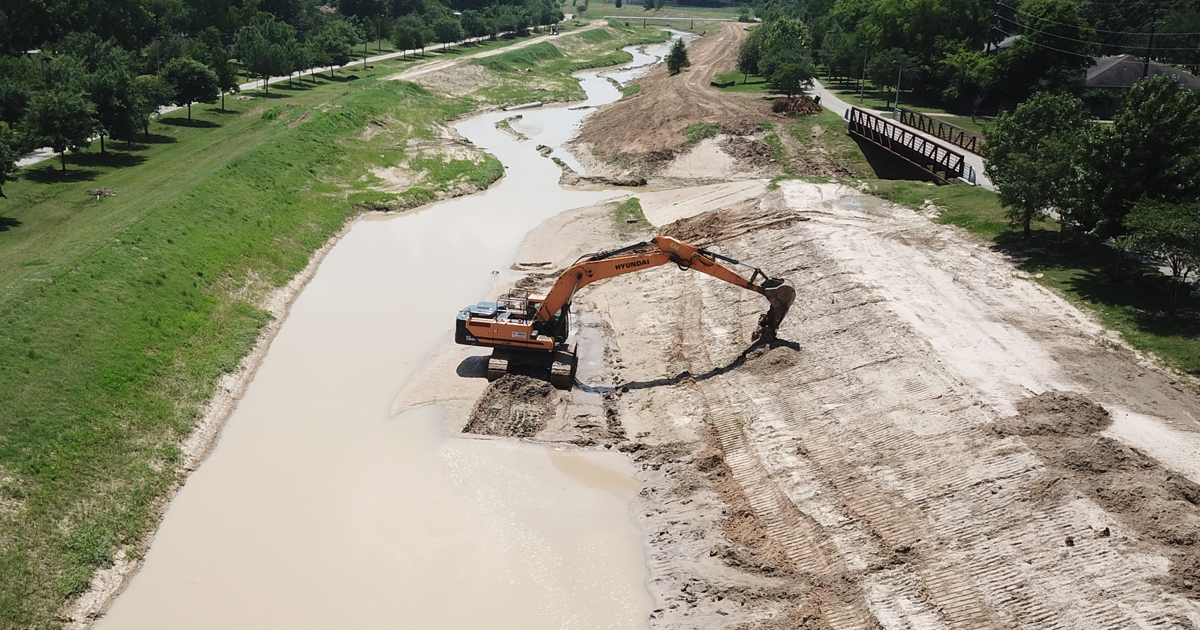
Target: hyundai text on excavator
point(532, 330)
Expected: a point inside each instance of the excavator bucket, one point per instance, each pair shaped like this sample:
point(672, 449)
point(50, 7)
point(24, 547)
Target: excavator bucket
point(780, 293)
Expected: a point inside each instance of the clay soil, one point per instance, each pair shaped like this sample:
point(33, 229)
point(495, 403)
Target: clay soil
point(654, 119)
point(928, 445)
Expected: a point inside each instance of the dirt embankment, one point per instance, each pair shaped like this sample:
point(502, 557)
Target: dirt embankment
point(927, 446)
point(655, 118)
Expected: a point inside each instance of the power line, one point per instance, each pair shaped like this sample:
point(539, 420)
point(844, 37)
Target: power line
point(1065, 52)
point(1084, 41)
point(1098, 30)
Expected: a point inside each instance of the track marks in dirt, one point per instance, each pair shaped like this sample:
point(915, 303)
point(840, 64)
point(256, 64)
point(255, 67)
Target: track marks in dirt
point(900, 492)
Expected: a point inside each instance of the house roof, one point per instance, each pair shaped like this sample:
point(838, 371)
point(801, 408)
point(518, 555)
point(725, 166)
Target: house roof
point(1122, 71)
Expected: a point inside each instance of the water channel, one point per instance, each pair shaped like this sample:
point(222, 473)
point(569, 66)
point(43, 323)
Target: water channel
point(317, 509)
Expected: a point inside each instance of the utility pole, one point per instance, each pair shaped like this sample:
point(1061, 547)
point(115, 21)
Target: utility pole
point(1150, 44)
point(987, 51)
point(899, 74)
point(863, 82)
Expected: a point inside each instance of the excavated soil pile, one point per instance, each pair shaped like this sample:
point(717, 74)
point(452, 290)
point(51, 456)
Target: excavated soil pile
point(1063, 429)
point(513, 406)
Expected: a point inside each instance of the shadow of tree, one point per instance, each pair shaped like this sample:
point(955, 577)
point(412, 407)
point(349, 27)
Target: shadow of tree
point(154, 138)
point(1088, 265)
point(195, 123)
point(52, 173)
point(111, 159)
point(7, 223)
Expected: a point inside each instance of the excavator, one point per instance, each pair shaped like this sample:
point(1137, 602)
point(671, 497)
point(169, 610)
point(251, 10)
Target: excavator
point(531, 331)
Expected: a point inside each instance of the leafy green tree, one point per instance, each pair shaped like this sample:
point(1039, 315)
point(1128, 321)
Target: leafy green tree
point(112, 92)
point(265, 48)
point(793, 75)
point(1029, 154)
point(191, 82)
point(1053, 53)
point(14, 98)
point(677, 59)
point(886, 66)
point(405, 38)
point(334, 45)
point(8, 157)
point(1152, 151)
point(1169, 232)
point(967, 75)
point(448, 30)
point(749, 54)
point(209, 50)
point(152, 94)
point(63, 121)
point(921, 28)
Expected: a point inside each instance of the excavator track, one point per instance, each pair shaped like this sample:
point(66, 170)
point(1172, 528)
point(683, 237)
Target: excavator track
point(562, 369)
point(497, 364)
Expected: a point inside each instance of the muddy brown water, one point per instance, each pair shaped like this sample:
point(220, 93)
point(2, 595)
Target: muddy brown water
point(317, 509)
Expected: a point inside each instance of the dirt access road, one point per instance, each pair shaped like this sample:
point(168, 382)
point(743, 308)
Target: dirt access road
point(656, 117)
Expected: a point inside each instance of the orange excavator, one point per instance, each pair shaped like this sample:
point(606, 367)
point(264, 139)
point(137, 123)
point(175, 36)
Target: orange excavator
point(532, 330)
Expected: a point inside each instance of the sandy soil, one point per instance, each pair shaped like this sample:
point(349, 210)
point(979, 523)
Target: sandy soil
point(935, 442)
point(660, 119)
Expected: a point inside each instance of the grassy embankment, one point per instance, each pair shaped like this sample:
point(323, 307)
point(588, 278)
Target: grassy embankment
point(544, 70)
point(118, 314)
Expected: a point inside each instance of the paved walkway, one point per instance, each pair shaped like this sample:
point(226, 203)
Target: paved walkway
point(836, 105)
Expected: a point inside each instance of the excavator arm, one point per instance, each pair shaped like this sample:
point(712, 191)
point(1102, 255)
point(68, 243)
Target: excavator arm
point(779, 293)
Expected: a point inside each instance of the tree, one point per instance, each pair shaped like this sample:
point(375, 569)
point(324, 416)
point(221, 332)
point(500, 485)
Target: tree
point(448, 31)
point(677, 59)
point(152, 93)
point(1169, 232)
point(1053, 53)
point(191, 82)
point(112, 92)
point(886, 66)
point(793, 73)
point(265, 47)
point(209, 50)
point(334, 45)
point(405, 38)
point(748, 54)
point(1029, 154)
point(967, 76)
point(1152, 151)
point(63, 121)
point(8, 157)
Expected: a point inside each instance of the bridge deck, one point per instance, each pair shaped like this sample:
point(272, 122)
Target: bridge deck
point(943, 163)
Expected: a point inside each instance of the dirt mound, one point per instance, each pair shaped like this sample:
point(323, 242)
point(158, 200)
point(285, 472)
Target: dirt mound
point(1056, 413)
point(513, 406)
point(1063, 428)
point(660, 119)
point(801, 105)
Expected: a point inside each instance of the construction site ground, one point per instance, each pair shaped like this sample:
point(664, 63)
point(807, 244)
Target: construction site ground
point(934, 441)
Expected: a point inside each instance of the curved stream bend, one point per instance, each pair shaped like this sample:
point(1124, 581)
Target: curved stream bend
point(318, 510)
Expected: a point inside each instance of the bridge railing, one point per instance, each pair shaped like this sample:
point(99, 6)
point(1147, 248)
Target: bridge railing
point(942, 163)
point(959, 137)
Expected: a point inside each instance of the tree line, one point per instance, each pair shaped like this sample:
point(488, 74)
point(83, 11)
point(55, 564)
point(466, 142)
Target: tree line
point(1133, 184)
point(947, 51)
point(96, 78)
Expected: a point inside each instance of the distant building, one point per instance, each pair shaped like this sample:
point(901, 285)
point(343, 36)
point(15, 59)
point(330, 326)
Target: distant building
point(1122, 71)
point(325, 8)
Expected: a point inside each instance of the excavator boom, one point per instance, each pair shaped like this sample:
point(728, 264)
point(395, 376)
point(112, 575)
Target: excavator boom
point(538, 326)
